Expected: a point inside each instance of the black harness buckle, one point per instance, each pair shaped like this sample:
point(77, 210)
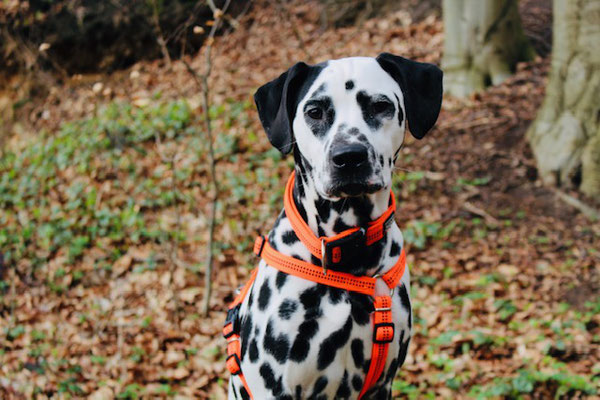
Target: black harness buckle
point(233, 320)
point(344, 250)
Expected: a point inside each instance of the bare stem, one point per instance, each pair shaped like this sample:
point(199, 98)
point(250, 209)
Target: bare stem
point(159, 35)
point(202, 82)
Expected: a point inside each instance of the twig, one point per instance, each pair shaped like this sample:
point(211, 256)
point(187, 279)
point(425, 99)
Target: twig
point(174, 241)
point(159, 35)
point(202, 82)
point(586, 210)
point(473, 209)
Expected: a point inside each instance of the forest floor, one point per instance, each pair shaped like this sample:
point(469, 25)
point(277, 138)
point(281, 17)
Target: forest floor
point(104, 227)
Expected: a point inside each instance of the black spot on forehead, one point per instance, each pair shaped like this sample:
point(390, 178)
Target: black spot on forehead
point(349, 85)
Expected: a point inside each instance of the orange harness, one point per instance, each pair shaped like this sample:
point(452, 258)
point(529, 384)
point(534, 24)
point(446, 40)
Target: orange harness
point(332, 251)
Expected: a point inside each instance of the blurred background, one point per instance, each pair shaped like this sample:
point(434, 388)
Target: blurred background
point(134, 175)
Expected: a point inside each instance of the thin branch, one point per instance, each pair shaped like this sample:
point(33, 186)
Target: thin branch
point(586, 210)
point(172, 160)
point(159, 34)
point(202, 81)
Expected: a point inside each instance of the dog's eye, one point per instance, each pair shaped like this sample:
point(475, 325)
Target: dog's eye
point(380, 106)
point(315, 113)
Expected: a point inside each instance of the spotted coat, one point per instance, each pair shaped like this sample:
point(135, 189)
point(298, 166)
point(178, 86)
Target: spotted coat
point(300, 339)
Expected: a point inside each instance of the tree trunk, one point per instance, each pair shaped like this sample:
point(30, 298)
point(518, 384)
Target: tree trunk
point(565, 136)
point(484, 42)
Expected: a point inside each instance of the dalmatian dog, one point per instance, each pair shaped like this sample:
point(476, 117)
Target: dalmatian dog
point(344, 121)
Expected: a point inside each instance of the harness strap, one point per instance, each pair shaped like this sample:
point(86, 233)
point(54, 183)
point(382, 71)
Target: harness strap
point(231, 332)
point(314, 273)
point(330, 250)
point(383, 335)
point(311, 272)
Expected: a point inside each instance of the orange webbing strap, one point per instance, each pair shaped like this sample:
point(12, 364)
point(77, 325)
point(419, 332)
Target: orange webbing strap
point(383, 325)
point(232, 334)
point(393, 276)
point(374, 232)
point(304, 270)
point(383, 335)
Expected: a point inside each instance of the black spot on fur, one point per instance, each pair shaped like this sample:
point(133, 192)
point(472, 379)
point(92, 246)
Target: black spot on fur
point(298, 392)
point(264, 295)
point(391, 370)
point(336, 295)
point(301, 209)
point(320, 231)
point(244, 393)
point(381, 160)
point(253, 351)
point(280, 279)
point(320, 385)
point(311, 301)
point(395, 249)
point(278, 346)
point(357, 383)
point(382, 393)
point(289, 237)
point(366, 365)
point(358, 355)
point(251, 298)
point(353, 131)
point(400, 113)
point(362, 138)
point(287, 308)
point(323, 209)
point(340, 225)
point(360, 308)
point(403, 350)
point(271, 383)
point(332, 344)
point(405, 303)
point(232, 389)
point(343, 391)
point(246, 329)
point(301, 345)
point(349, 85)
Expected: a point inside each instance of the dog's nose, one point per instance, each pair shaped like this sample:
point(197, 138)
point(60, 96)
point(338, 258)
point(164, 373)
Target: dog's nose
point(350, 156)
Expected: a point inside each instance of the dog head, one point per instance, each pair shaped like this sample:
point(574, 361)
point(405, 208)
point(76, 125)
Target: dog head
point(346, 118)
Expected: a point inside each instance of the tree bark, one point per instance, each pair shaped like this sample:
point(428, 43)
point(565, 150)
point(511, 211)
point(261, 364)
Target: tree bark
point(484, 42)
point(565, 136)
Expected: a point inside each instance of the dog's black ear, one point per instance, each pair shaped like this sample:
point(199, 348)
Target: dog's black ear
point(421, 85)
point(276, 102)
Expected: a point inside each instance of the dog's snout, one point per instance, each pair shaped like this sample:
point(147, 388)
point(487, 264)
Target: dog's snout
point(350, 156)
